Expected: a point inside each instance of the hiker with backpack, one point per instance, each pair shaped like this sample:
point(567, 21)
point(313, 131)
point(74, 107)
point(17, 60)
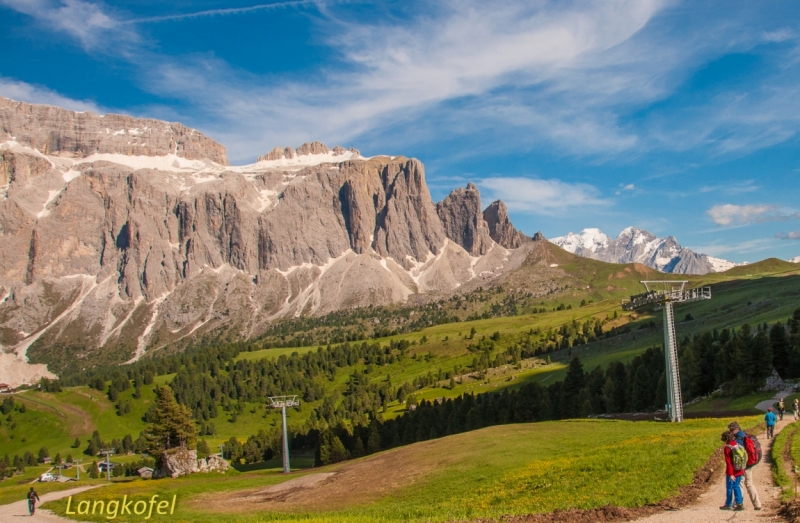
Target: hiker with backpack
point(796, 408)
point(781, 409)
point(32, 497)
point(753, 449)
point(735, 463)
point(770, 420)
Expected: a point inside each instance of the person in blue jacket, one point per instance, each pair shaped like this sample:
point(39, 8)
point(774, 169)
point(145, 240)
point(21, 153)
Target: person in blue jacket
point(771, 419)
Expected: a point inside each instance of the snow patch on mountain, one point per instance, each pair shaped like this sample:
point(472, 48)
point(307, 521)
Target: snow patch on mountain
point(796, 259)
point(634, 245)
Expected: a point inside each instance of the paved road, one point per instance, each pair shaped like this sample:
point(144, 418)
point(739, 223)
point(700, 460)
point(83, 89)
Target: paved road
point(19, 511)
point(764, 405)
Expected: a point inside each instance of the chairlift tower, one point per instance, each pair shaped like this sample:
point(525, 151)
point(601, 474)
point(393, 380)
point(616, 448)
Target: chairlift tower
point(77, 463)
point(664, 294)
point(281, 402)
point(108, 453)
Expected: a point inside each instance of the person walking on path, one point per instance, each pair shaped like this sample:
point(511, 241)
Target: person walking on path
point(33, 497)
point(771, 420)
point(749, 482)
point(781, 408)
point(733, 477)
point(796, 408)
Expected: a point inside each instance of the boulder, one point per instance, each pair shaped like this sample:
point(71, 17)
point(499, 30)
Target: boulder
point(180, 462)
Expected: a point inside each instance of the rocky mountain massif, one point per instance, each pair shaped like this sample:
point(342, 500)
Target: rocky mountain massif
point(636, 245)
point(120, 235)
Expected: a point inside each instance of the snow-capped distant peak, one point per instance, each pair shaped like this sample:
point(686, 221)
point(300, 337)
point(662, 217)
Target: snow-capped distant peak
point(589, 239)
point(796, 259)
point(720, 265)
point(634, 245)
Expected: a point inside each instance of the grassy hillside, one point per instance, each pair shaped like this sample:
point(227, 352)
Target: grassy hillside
point(763, 292)
point(489, 473)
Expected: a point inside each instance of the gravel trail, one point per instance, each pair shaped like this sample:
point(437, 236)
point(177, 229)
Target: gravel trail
point(706, 508)
point(18, 511)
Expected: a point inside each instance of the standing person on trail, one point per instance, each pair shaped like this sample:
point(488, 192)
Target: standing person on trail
point(771, 419)
point(796, 408)
point(734, 470)
point(33, 497)
point(749, 483)
point(781, 408)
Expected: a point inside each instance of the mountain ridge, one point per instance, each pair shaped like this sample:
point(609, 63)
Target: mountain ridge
point(637, 245)
point(104, 247)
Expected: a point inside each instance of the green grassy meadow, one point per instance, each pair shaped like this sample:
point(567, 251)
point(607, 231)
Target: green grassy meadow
point(499, 479)
point(488, 473)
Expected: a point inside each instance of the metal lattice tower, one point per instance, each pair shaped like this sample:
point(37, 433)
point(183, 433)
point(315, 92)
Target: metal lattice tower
point(281, 402)
point(666, 293)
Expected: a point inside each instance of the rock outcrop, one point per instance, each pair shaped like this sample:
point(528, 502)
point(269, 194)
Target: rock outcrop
point(58, 132)
point(500, 228)
point(132, 253)
point(307, 149)
point(180, 462)
point(460, 213)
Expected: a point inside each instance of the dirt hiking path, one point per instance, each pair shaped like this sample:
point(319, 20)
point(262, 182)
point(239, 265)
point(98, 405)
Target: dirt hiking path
point(18, 511)
point(706, 508)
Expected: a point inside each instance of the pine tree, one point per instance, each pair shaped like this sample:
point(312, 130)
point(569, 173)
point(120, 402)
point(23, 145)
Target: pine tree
point(172, 425)
point(780, 349)
point(374, 439)
point(574, 382)
point(203, 451)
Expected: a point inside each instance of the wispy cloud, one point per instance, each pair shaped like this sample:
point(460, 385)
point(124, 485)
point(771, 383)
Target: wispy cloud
point(217, 12)
point(730, 214)
point(741, 187)
point(792, 235)
point(745, 247)
point(547, 197)
point(93, 25)
point(566, 76)
point(25, 92)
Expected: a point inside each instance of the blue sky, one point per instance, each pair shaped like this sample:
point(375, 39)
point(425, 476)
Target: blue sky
point(680, 118)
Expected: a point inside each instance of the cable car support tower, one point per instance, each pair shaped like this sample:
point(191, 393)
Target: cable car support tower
point(664, 294)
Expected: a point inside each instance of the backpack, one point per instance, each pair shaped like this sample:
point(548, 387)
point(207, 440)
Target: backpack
point(738, 457)
point(753, 448)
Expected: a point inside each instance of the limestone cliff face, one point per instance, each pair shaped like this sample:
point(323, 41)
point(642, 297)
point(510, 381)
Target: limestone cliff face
point(500, 228)
point(460, 213)
point(128, 253)
point(55, 131)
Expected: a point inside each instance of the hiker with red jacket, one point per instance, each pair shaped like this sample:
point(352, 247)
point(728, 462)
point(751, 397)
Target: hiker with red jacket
point(753, 449)
point(735, 464)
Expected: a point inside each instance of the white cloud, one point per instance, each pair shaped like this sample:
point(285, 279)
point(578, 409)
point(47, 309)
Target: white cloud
point(558, 75)
point(92, 24)
point(745, 186)
point(25, 92)
point(792, 235)
point(730, 214)
point(535, 196)
point(745, 247)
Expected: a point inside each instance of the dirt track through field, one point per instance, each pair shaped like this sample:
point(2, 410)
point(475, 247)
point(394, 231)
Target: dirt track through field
point(19, 510)
point(706, 508)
